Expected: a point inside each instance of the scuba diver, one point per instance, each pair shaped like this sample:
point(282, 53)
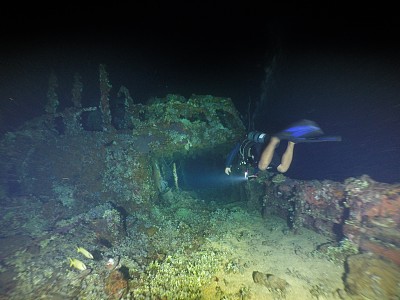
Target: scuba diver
point(257, 150)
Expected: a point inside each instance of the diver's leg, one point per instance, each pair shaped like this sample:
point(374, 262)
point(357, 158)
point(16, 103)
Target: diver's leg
point(287, 158)
point(268, 153)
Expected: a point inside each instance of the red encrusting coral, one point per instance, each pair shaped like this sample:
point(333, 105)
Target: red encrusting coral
point(363, 210)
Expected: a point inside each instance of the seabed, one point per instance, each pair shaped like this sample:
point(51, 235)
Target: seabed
point(191, 248)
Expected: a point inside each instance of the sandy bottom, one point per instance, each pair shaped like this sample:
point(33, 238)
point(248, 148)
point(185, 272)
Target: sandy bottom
point(268, 246)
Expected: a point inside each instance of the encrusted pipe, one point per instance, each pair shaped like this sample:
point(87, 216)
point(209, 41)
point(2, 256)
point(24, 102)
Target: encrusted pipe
point(175, 176)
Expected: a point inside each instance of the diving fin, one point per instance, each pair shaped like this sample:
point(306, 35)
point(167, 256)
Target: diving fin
point(318, 139)
point(300, 130)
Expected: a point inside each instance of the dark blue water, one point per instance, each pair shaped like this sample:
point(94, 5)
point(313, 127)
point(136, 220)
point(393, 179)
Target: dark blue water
point(343, 76)
point(356, 97)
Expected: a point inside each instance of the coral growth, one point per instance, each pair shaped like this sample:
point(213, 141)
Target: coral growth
point(116, 285)
point(52, 96)
point(370, 277)
point(105, 87)
point(374, 217)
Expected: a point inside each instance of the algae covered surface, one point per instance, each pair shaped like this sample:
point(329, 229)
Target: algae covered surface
point(95, 207)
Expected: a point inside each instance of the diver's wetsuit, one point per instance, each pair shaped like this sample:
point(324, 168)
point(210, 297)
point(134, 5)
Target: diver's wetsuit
point(249, 152)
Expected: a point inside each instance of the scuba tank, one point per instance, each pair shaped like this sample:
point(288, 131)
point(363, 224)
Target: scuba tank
point(257, 137)
point(246, 149)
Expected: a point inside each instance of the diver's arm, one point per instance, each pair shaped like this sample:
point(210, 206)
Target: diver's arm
point(268, 153)
point(230, 158)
